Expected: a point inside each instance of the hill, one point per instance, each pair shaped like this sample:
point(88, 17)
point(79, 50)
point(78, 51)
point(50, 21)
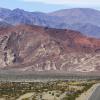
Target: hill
point(35, 48)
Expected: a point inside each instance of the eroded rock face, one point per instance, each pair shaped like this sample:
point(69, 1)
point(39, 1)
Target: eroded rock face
point(33, 48)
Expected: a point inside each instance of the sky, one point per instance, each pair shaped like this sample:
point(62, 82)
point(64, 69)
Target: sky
point(49, 5)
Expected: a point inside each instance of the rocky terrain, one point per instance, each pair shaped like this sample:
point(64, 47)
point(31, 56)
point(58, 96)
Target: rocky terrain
point(35, 48)
point(84, 20)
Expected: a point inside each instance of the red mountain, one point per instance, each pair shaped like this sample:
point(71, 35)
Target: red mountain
point(35, 48)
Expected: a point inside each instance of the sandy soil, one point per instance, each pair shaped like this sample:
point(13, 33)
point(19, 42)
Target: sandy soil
point(2, 99)
point(27, 95)
point(47, 96)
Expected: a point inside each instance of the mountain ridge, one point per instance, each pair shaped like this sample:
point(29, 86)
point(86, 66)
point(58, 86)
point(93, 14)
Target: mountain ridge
point(36, 48)
point(70, 19)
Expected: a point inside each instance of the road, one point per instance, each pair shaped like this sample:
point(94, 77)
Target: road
point(96, 94)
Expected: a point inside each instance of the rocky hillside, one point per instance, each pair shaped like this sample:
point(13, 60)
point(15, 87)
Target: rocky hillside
point(85, 20)
point(34, 48)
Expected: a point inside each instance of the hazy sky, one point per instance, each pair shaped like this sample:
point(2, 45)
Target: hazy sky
point(49, 5)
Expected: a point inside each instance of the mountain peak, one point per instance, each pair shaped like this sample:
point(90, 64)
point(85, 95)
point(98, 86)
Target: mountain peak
point(76, 11)
point(18, 10)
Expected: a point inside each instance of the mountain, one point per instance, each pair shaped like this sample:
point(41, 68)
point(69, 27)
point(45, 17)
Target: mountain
point(79, 15)
point(86, 29)
point(19, 16)
point(35, 48)
point(84, 20)
point(4, 12)
point(4, 24)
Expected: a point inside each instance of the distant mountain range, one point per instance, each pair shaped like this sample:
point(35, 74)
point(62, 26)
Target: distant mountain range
point(85, 20)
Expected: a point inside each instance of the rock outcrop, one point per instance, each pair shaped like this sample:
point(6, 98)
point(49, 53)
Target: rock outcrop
point(34, 48)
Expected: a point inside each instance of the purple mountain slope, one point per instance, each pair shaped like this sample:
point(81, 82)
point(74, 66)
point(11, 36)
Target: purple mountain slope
point(85, 20)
